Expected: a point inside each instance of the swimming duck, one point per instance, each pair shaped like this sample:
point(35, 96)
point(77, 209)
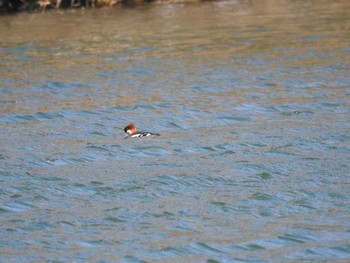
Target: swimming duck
point(131, 132)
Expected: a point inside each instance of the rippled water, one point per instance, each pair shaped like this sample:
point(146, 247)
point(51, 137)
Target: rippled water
point(252, 100)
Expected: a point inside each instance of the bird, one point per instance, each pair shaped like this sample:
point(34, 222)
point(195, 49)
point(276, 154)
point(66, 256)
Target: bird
point(131, 132)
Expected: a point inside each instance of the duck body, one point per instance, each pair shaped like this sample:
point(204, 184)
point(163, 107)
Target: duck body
point(131, 132)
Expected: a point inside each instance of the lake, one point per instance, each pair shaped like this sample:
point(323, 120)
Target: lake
point(252, 101)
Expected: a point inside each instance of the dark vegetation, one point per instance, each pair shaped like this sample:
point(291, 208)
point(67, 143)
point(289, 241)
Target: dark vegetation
point(10, 6)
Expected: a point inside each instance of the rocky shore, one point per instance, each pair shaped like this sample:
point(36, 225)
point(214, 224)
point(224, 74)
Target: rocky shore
point(10, 6)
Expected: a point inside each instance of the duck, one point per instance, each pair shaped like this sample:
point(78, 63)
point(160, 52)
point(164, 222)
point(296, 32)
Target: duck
point(131, 132)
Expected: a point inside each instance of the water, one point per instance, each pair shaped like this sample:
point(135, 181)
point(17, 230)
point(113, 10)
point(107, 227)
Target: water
point(252, 101)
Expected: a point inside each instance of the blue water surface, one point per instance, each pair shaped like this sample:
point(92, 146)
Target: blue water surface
point(252, 101)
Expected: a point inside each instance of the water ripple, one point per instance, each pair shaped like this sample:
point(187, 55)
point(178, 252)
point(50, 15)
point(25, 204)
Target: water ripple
point(252, 104)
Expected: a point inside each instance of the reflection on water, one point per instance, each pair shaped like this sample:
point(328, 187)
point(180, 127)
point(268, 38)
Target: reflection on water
point(251, 99)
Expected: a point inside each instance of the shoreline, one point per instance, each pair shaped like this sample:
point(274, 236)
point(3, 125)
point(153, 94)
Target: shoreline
point(17, 6)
